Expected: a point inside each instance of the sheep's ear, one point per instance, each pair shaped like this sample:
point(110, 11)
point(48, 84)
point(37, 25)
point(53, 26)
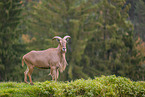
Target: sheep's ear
point(67, 39)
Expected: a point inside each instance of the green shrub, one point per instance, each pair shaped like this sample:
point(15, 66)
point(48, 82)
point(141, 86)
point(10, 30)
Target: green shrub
point(104, 86)
point(5, 95)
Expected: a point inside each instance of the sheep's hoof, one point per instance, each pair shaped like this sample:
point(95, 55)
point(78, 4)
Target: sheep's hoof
point(31, 83)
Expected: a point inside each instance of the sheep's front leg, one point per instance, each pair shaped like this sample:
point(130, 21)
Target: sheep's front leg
point(53, 73)
point(57, 74)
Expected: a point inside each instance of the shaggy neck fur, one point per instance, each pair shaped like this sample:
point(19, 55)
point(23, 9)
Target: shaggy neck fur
point(63, 61)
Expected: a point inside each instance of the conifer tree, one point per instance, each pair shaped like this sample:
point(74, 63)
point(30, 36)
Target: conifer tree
point(75, 18)
point(102, 37)
point(139, 19)
point(113, 46)
point(9, 33)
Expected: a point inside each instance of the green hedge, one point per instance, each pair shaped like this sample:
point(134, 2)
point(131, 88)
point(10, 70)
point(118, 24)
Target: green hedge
point(105, 86)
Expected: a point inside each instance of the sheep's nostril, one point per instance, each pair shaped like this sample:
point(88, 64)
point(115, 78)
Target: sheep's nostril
point(63, 49)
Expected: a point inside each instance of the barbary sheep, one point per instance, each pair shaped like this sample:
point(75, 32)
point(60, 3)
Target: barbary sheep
point(51, 58)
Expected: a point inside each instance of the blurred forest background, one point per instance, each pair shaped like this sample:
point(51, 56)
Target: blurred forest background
point(107, 37)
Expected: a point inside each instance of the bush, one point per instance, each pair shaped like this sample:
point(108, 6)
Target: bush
point(100, 86)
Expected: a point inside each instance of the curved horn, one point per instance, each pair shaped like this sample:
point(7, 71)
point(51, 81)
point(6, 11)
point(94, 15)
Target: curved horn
point(65, 37)
point(56, 37)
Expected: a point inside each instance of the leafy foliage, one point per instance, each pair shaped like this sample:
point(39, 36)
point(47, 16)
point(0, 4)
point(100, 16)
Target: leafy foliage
point(100, 86)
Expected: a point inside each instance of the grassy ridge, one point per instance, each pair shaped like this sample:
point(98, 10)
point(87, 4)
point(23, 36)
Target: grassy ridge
point(107, 86)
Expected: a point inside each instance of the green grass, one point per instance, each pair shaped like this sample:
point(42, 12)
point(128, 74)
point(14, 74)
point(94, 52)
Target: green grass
point(105, 86)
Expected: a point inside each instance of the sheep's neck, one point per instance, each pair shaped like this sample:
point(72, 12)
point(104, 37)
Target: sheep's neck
point(63, 61)
point(61, 54)
point(59, 49)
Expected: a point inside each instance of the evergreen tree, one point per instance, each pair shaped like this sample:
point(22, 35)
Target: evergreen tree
point(9, 33)
point(75, 18)
point(139, 19)
point(113, 46)
point(102, 37)
point(140, 56)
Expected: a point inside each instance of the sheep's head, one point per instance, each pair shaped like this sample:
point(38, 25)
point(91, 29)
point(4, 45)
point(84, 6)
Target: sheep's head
point(62, 42)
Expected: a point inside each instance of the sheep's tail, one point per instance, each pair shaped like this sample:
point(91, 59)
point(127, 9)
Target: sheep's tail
point(23, 61)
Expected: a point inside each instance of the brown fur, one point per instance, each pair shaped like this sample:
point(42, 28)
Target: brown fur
point(53, 58)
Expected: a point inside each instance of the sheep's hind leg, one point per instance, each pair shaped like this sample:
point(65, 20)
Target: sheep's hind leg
point(25, 73)
point(29, 74)
point(52, 74)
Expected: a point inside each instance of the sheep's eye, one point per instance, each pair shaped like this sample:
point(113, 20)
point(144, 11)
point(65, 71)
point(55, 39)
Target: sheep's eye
point(58, 40)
